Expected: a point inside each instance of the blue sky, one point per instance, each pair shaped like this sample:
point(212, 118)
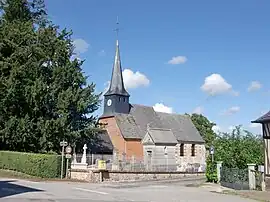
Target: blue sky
point(208, 56)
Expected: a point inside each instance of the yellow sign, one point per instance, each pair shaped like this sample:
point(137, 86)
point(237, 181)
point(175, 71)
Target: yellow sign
point(101, 165)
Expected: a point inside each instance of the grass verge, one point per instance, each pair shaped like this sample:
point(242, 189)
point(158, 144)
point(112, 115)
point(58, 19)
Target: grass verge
point(19, 175)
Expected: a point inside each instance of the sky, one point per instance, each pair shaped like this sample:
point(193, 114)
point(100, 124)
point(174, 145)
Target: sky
point(208, 57)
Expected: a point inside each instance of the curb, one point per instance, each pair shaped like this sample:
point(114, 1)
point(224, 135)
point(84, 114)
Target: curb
point(123, 184)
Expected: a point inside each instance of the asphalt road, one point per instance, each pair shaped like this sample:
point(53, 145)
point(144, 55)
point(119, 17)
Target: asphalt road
point(26, 191)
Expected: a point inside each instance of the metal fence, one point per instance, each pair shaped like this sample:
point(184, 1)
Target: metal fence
point(234, 178)
point(122, 163)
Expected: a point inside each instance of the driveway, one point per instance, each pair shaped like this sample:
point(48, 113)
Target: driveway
point(27, 191)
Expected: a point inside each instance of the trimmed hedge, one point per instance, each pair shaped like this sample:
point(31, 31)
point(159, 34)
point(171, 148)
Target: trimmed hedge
point(39, 165)
point(211, 171)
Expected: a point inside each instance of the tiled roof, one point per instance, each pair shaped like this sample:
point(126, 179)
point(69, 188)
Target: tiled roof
point(135, 124)
point(101, 143)
point(160, 135)
point(264, 118)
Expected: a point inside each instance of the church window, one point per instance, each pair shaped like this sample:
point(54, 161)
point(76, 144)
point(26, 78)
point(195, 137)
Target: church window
point(193, 150)
point(119, 99)
point(124, 99)
point(181, 149)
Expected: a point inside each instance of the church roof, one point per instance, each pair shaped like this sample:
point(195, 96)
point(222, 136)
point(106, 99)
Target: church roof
point(117, 84)
point(135, 124)
point(162, 136)
point(101, 143)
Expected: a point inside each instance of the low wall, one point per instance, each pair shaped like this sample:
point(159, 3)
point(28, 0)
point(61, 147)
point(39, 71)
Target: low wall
point(98, 176)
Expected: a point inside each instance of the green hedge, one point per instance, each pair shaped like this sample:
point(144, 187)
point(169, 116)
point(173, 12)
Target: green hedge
point(40, 165)
point(211, 171)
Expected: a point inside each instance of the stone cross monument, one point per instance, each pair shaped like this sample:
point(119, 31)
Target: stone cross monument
point(84, 154)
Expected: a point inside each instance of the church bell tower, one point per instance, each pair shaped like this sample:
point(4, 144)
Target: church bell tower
point(116, 99)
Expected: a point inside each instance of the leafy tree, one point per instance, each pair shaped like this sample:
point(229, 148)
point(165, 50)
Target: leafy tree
point(44, 96)
point(204, 126)
point(238, 148)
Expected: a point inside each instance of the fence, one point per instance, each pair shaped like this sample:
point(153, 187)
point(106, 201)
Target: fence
point(123, 163)
point(234, 178)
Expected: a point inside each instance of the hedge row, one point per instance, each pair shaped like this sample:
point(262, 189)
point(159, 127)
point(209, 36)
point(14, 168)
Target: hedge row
point(40, 165)
point(211, 171)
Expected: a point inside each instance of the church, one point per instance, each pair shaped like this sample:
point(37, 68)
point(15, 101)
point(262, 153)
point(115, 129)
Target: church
point(140, 131)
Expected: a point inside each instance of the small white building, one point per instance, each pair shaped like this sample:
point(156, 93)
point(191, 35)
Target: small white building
point(159, 147)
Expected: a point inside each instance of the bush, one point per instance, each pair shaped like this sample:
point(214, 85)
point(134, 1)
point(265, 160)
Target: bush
point(40, 165)
point(211, 171)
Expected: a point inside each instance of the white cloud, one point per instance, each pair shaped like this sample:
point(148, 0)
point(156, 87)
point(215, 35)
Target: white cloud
point(216, 129)
point(231, 110)
point(159, 107)
point(198, 110)
point(131, 80)
point(254, 85)
point(177, 60)
point(231, 128)
point(215, 84)
point(254, 125)
point(75, 56)
point(80, 45)
point(134, 79)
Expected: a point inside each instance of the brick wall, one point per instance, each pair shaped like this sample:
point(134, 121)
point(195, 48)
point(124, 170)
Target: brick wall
point(114, 133)
point(130, 147)
point(134, 147)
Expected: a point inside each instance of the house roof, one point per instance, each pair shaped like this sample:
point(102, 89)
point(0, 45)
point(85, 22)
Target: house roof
point(135, 124)
point(161, 135)
point(263, 119)
point(101, 143)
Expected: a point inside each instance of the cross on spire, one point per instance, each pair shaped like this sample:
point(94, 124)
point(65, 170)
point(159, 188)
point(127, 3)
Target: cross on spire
point(117, 28)
point(117, 83)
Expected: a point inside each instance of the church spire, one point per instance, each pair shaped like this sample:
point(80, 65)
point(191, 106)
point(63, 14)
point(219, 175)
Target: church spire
point(117, 83)
point(116, 99)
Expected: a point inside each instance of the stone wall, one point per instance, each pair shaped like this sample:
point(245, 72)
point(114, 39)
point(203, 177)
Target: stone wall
point(184, 161)
point(84, 175)
point(112, 176)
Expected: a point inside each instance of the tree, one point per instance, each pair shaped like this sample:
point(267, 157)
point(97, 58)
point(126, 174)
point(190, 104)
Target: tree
point(238, 148)
point(44, 96)
point(204, 126)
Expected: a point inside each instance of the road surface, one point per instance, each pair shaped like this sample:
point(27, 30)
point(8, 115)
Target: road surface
point(27, 191)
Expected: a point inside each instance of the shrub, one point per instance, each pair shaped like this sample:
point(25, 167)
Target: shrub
point(40, 165)
point(211, 171)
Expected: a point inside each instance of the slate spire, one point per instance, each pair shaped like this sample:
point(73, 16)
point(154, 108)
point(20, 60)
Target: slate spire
point(116, 99)
point(117, 84)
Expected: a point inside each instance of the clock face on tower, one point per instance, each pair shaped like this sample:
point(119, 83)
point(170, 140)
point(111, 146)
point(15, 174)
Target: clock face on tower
point(109, 102)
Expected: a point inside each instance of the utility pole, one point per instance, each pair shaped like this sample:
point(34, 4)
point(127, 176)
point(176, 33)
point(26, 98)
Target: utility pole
point(63, 144)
